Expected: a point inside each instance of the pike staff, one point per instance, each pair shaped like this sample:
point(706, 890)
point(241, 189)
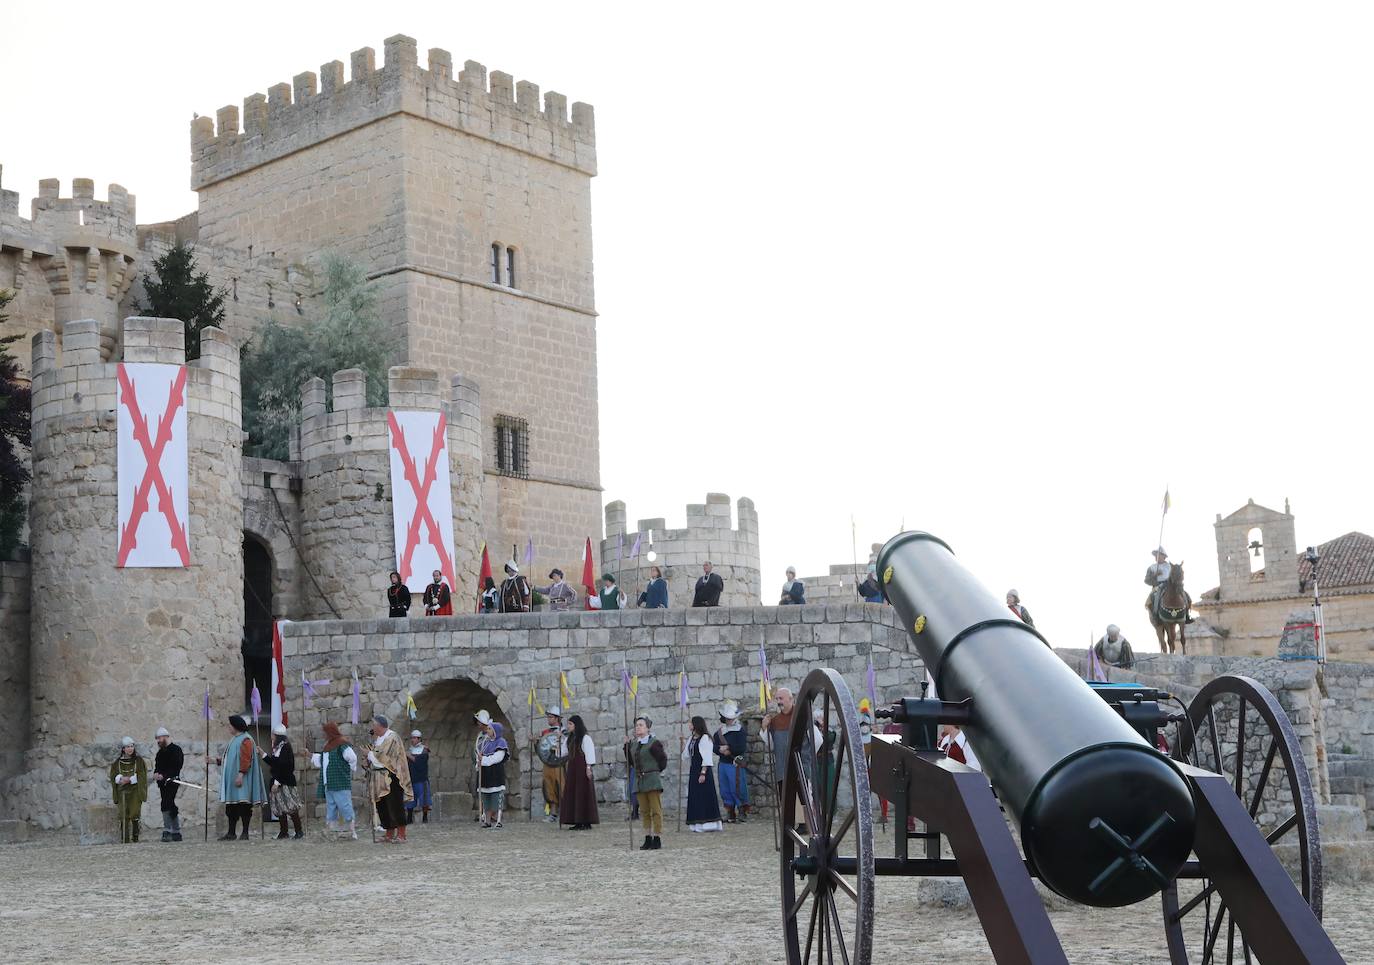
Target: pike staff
point(256, 701)
point(207, 714)
point(683, 690)
point(625, 687)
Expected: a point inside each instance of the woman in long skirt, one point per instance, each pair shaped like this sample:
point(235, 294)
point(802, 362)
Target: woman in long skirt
point(578, 804)
point(703, 808)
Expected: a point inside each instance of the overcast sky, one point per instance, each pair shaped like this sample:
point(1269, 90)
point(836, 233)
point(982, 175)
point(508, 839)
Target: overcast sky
point(1000, 271)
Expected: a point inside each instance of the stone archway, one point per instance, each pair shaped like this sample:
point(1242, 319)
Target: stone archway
point(446, 708)
point(258, 611)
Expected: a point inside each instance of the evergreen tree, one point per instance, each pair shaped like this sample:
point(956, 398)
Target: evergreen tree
point(178, 292)
point(279, 360)
point(14, 440)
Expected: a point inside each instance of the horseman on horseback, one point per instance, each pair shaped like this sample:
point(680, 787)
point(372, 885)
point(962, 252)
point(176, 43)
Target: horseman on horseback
point(1168, 603)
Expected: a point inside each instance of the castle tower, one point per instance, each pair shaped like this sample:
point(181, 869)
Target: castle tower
point(467, 198)
point(121, 650)
point(93, 247)
point(1257, 553)
point(348, 540)
point(680, 553)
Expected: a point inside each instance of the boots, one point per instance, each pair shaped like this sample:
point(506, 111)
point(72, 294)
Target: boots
point(410, 816)
point(648, 844)
point(658, 844)
point(296, 823)
point(176, 827)
point(729, 815)
point(233, 826)
point(424, 817)
point(282, 834)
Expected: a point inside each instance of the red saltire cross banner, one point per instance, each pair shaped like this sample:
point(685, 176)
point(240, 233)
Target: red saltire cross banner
point(421, 497)
point(279, 713)
point(152, 462)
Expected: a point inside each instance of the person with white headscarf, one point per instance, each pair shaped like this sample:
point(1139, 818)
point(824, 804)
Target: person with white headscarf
point(1114, 649)
point(793, 591)
point(282, 794)
point(515, 591)
point(129, 785)
point(1014, 605)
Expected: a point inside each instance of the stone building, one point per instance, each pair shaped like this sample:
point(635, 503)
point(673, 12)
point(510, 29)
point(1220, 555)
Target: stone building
point(680, 553)
point(1267, 584)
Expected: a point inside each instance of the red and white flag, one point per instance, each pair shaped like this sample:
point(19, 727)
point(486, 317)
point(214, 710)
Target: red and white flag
point(593, 601)
point(421, 497)
point(279, 714)
point(151, 466)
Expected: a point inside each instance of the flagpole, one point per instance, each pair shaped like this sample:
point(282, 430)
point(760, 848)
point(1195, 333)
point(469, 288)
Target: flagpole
point(257, 736)
point(529, 777)
point(1164, 511)
point(854, 549)
point(681, 706)
point(305, 808)
point(207, 761)
point(629, 747)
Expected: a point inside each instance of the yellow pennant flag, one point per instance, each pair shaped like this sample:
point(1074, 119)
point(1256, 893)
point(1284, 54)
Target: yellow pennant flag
point(564, 690)
point(763, 696)
point(534, 701)
point(411, 710)
point(634, 686)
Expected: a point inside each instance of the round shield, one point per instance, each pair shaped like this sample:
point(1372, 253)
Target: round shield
point(548, 750)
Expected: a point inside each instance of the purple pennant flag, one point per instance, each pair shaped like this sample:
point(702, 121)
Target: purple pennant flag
point(255, 701)
point(763, 662)
point(634, 550)
point(872, 686)
point(309, 687)
point(684, 695)
point(529, 552)
point(206, 712)
point(619, 546)
point(625, 678)
point(357, 698)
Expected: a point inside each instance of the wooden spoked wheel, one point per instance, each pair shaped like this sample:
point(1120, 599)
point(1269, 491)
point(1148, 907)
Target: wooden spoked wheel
point(1238, 730)
point(827, 830)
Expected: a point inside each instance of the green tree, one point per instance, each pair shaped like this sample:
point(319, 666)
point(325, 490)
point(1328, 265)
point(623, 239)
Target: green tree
point(14, 440)
point(278, 360)
point(178, 292)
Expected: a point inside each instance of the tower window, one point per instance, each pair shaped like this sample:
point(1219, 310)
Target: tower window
point(496, 262)
point(512, 447)
point(510, 267)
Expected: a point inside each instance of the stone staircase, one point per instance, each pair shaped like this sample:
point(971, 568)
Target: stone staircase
point(1347, 845)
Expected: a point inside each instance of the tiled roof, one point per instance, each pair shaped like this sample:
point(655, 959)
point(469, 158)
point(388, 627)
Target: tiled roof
point(1344, 561)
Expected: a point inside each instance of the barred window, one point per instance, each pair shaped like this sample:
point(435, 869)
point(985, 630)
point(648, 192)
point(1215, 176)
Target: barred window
point(496, 262)
point(510, 267)
point(512, 446)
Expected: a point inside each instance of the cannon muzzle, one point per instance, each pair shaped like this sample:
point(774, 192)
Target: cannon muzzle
point(1105, 819)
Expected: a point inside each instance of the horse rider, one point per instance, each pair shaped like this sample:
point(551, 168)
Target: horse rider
point(1156, 576)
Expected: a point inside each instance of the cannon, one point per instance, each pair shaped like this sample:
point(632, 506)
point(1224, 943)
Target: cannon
point(1105, 818)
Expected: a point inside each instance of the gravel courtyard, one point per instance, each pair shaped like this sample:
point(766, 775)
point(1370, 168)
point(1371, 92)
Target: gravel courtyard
point(527, 894)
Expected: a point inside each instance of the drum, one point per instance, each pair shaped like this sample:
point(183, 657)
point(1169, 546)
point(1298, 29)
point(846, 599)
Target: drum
point(549, 750)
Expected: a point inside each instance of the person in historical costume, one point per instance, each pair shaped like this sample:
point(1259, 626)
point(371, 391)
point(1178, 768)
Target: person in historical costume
point(240, 780)
point(648, 760)
point(793, 590)
point(611, 596)
point(493, 752)
point(490, 601)
point(390, 780)
point(397, 597)
point(438, 598)
point(417, 758)
point(709, 587)
point(129, 786)
point(703, 807)
point(655, 595)
point(336, 763)
point(577, 809)
point(555, 742)
point(729, 744)
point(870, 589)
point(167, 766)
point(282, 794)
point(560, 595)
point(1156, 575)
point(1114, 649)
point(777, 736)
point(956, 746)
point(515, 591)
point(1014, 605)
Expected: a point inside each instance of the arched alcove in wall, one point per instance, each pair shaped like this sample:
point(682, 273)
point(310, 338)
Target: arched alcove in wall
point(446, 708)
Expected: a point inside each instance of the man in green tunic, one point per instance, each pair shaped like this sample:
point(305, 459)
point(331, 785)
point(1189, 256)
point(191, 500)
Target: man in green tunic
point(129, 786)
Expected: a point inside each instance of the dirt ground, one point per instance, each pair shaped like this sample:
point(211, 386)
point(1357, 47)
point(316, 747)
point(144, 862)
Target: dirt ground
point(527, 894)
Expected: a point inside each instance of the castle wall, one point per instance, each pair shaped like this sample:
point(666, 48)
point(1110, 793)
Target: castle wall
point(733, 553)
point(1252, 628)
point(14, 663)
point(346, 504)
point(120, 651)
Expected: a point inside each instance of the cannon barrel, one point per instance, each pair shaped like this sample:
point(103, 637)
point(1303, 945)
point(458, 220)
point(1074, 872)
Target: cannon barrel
point(1105, 819)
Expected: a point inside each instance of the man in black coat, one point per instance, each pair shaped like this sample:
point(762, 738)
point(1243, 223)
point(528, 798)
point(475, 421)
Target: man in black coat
point(709, 587)
point(166, 771)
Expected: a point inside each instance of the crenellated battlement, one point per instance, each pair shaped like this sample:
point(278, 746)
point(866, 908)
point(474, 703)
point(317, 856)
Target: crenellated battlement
point(350, 426)
point(290, 117)
point(69, 219)
point(74, 382)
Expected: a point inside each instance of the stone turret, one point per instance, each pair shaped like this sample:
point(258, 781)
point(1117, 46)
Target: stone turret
point(680, 553)
point(346, 518)
point(121, 650)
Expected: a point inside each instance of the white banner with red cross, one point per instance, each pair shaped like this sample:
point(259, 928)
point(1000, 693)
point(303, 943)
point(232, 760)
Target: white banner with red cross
point(421, 497)
point(151, 466)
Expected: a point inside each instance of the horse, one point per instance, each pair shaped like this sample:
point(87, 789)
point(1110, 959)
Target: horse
point(1168, 606)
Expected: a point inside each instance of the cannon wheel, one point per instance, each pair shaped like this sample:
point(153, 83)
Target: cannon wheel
point(827, 872)
point(1230, 714)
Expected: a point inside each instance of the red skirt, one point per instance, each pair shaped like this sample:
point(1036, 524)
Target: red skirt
point(578, 803)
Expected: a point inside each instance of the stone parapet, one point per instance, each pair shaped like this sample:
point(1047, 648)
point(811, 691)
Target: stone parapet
point(293, 116)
